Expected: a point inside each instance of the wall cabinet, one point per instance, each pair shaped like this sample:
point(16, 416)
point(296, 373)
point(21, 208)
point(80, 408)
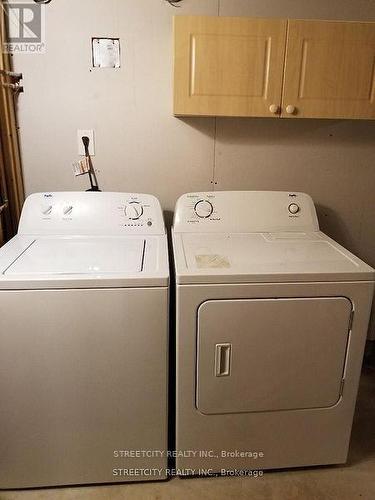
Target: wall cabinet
point(228, 66)
point(273, 67)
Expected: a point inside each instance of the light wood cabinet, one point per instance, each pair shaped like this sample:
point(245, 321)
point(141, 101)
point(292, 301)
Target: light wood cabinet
point(228, 66)
point(273, 67)
point(329, 70)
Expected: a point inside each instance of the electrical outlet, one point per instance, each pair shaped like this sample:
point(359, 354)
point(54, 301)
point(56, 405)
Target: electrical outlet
point(81, 148)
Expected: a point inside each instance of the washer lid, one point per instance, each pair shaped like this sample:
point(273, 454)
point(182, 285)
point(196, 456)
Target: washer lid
point(83, 256)
point(254, 257)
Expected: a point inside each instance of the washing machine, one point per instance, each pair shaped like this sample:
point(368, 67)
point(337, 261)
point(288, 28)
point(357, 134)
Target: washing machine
point(272, 317)
point(84, 341)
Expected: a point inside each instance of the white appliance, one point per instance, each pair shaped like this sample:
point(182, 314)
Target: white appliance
point(83, 341)
point(272, 317)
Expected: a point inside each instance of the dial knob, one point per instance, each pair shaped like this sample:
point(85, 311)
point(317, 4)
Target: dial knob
point(294, 208)
point(133, 210)
point(203, 209)
point(290, 109)
point(68, 210)
point(47, 209)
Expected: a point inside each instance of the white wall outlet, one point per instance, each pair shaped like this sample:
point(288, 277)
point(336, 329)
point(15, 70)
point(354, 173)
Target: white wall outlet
point(91, 136)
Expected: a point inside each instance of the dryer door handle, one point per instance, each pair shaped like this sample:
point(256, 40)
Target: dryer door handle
point(223, 360)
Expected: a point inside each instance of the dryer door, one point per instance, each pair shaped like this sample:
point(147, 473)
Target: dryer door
point(271, 354)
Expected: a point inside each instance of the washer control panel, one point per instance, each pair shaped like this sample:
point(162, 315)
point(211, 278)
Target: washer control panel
point(245, 211)
point(89, 213)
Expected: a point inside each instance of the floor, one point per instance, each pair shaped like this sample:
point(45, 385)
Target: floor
point(356, 480)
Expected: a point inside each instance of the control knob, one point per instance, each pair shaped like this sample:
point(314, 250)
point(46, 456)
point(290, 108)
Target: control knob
point(68, 210)
point(46, 209)
point(203, 209)
point(133, 210)
point(294, 208)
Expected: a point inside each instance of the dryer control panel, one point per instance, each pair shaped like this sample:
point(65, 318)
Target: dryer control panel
point(91, 213)
point(245, 211)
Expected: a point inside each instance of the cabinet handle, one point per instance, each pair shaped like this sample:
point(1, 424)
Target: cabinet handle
point(274, 109)
point(290, 109)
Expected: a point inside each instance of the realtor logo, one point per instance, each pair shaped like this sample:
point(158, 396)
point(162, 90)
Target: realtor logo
point(25, 26)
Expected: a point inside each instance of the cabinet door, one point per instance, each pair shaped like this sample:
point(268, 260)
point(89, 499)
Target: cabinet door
point(329, 71)
point(228, 66)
